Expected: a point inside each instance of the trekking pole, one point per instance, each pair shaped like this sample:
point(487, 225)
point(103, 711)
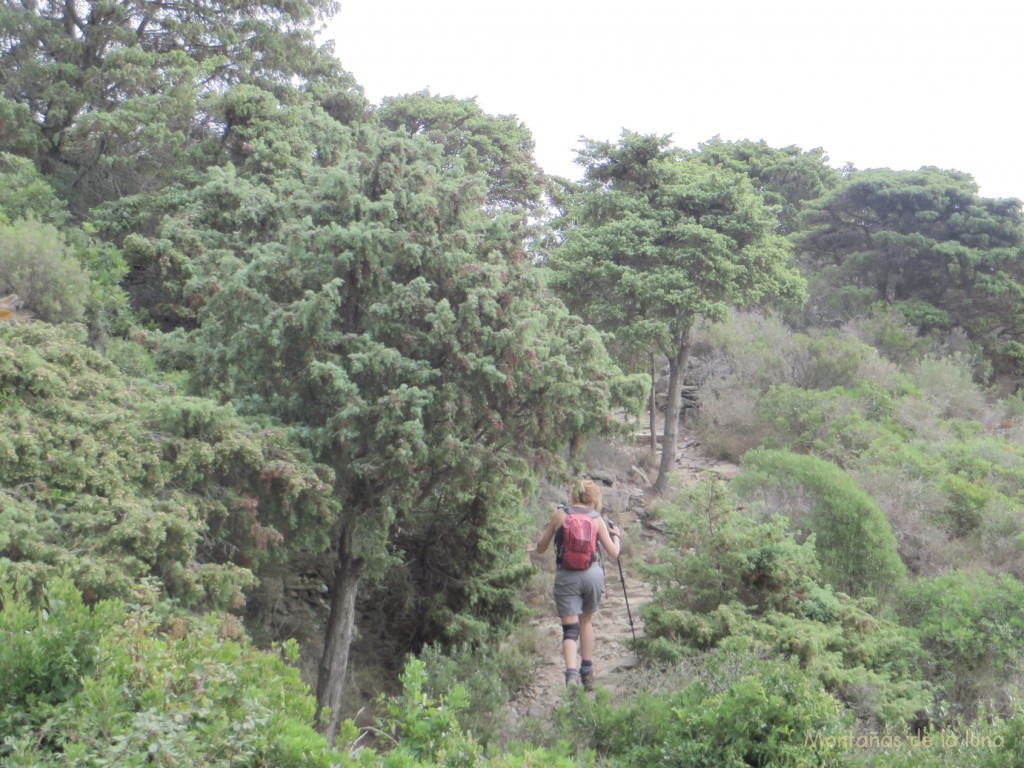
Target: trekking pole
point(622, 579)
point(629, 613)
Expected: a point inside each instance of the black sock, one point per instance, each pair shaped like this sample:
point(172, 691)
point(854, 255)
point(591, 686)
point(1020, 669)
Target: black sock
point(586, 665)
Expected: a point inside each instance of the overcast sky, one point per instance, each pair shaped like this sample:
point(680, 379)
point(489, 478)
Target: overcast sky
point(896, 84)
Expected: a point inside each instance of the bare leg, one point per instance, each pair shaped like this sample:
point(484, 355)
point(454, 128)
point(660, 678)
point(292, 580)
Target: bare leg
point(569, 646)
point(587, 636)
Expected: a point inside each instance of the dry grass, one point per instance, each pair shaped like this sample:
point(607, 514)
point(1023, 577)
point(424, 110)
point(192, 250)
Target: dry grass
point(727, 424)
point(615, 458)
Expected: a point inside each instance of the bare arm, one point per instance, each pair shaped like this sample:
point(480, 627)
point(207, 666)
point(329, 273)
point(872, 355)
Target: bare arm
point(610, 539)
point(553, 524)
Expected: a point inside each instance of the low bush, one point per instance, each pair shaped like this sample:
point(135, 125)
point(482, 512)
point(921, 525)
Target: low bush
point(486, 677)
point(972, 626)
point(36, 265)
point(852, 539)
point(106, 685)
point(742, 711)
point(729, 576)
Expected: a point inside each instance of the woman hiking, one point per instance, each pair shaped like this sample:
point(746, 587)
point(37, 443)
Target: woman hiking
point(579, 575)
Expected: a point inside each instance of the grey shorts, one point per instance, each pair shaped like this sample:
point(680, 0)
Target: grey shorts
point(578, 592)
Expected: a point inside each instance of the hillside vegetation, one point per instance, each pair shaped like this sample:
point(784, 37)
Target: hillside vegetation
point(286, 380)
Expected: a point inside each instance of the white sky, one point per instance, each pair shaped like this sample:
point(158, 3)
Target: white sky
point(896, 84)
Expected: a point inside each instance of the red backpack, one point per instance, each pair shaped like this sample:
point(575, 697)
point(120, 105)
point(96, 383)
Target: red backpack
point(579, 540)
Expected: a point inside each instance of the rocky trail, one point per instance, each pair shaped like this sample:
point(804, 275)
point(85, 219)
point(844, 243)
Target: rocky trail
point(614, 658)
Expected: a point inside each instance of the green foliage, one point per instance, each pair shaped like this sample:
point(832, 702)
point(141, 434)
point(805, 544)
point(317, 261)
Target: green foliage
point(655, 240)
point(919, 440)
point(402, 328)
point(497, 147)
point(832, 361)
point(891, 333)
point(427, 729)
point(743, 711)
point(788, 178)
point(365, 277)
point(420, 728)
point(923, 316)
point(114, 479)
point(837, 424)
point(971, 624)
point(125, 99)
point(486, 676)
point(717, 556)
point(827, 392)
point(382, 309)
point(104, 685)
point(62, 273)
point(462, 572)
point(20, 133)
point(728, 577)
point(948, 385)
point(36, 265)
point(988, 741)
point(24, 193)
point(47, 647)
point(925, 242)
point(852, 539)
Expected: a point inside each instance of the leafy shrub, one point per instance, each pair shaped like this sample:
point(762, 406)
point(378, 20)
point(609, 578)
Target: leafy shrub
point(24, 193)
point(904, 494)
point(62, 273)
point(728, 577)
point(36, 265)
point(770, 385)
point(972, 625)
point(796, 418)
point(948, 385)
point(743, 711)
point(753, 348)
point(482, 675)
point(423, 729)
point(829, 361)
point(924, 315)
point(107, 312)
point(114, 479)
point(46, 647)
point(888, 331)
point(853, 541)
point(838, 423)
point(836, 298)
point(427, 728)
point(103, 685)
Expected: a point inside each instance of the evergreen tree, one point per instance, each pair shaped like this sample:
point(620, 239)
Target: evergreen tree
point(925, 242)
point(117, 97)
point(499, 147)
point(653, 241)
point(112, 479)
point(788, 178)
point(390, 315)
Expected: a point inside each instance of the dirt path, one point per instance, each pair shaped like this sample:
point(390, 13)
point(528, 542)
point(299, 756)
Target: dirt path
point(613, 655)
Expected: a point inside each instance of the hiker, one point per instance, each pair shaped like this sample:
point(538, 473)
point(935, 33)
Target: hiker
point(578, 588)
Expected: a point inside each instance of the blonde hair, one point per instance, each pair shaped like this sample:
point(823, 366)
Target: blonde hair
point(586, 492)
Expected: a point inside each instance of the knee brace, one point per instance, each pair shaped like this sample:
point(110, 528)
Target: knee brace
point(571, 631)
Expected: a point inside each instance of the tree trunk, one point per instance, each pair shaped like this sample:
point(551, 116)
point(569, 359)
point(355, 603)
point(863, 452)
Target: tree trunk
point(676, 372)
point(330, 684)
point(653, 411)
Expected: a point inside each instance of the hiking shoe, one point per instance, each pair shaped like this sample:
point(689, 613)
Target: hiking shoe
point(572, 678)
point(587, 678)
